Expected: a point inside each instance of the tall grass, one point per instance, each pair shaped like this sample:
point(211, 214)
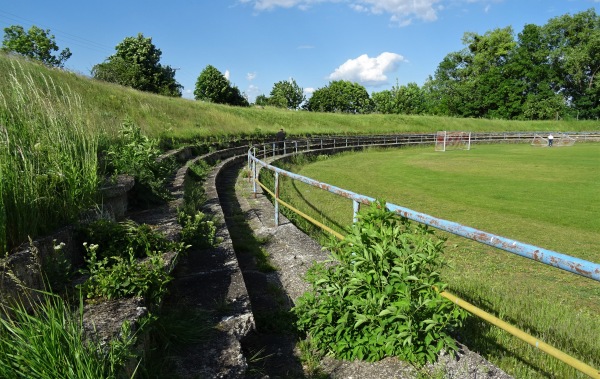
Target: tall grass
point(49, 343)
point(48, 156)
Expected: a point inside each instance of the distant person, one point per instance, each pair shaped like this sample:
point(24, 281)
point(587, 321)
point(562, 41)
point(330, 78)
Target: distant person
point(280, 138)
point(550, 140)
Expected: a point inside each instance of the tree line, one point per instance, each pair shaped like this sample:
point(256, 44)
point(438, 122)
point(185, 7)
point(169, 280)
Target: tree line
point(543, 72)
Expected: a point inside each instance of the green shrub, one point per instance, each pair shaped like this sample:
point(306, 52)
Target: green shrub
point(119, 277)
point(197, 230)
point(137, 155)
point(118, 238)
point(377, 297)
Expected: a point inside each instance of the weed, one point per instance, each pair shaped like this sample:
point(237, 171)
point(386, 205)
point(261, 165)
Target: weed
point(377, 298)
point(118, 277)
point(198, 230)
point(138, 155)
point(57, 268)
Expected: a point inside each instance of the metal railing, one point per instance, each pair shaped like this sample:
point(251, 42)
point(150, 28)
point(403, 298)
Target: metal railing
point(565, 262)
point(294, 146)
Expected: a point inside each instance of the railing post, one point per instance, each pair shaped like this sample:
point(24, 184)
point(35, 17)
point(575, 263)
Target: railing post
point(254, 177)
point(264, 151)
point(296, 146)
point(356, 208)
point(273, 148)
point(276, 198)
point(321, 144)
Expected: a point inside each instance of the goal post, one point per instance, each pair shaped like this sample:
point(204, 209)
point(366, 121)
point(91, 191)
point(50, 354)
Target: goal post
point(445, 140)
point(560, 139)
point(539, 141)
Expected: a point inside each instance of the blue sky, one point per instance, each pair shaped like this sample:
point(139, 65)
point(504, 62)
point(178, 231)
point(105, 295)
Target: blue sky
point(257, 43)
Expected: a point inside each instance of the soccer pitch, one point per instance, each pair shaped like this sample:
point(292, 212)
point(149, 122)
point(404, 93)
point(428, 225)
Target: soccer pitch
point(549, 197)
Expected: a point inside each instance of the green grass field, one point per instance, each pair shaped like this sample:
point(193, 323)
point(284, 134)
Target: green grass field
point(549, 197)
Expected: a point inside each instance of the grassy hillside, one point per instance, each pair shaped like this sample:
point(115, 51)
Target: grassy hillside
point(106, 106)
point(54, 124)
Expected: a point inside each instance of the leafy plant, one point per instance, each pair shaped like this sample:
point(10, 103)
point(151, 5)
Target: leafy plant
point(118, 277)
point(138, 155)
point(197, 230)
point(378, 295)
point(117, 238)
point(57, 267)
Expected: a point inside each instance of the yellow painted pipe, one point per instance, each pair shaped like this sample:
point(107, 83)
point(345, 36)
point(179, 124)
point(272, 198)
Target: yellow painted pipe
point(307, 217)
point(573, 362)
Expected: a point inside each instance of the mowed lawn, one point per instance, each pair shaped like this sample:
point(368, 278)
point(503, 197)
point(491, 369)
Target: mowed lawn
point(548, 197)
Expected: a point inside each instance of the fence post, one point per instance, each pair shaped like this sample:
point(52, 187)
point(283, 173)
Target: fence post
point(276, 198)
point(254, 177)
point(356, 208)
point(264, 151)
point(273, 148)
point(284, 147)
point(296, 146)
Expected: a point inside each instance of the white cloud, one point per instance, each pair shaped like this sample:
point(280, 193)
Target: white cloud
point(368, 71)
point(401, 11)
point(309, 90)
point(251, 76)
point(270, 4)
point(226, 74)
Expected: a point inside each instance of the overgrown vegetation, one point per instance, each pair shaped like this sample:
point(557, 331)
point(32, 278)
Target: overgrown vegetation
point(131, 264)
point(48, 343)
point(48, 157)
point(198, 228)
point(378, 297)
point(138, 155)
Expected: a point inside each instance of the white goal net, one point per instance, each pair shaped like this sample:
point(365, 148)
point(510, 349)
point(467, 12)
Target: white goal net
point(558, 140)
point(452, 141)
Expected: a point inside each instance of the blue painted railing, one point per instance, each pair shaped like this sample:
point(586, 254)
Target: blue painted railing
point(565, 262)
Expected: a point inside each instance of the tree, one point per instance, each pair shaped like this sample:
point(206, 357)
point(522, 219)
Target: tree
point(36, 44)
point(213, 86)
point(479, 80)
point(541, 86)
point(575, 57)
point(261, 100)
point(136, 64)
point(407, 99)
point(287, 94)
point(340, 96)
